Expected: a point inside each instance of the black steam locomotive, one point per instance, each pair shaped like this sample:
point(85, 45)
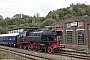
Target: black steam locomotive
point(39, 40)
point(36, 40)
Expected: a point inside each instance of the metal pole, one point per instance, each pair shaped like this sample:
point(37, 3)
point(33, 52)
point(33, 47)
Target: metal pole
point(45, 49)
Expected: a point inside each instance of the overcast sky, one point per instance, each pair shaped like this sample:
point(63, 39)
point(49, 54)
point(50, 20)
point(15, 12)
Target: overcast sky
point(30, 7)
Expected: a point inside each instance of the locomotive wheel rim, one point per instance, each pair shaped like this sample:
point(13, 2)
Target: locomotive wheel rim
point(24, 47)
point(20, 46)
point(34, 48)
point(37, 47)
point(28, 46)
point(49, 50)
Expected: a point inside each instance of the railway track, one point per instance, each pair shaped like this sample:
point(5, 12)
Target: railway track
point(25, 55)
point(74, 55)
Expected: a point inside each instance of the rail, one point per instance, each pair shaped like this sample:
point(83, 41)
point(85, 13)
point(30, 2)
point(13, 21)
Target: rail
point(25, 55)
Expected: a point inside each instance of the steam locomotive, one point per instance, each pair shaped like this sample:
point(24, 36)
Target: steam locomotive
point(36, 40)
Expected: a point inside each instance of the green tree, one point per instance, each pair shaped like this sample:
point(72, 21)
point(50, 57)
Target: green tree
point(3, 30)
point(1, 17)
point(17, 16)
point(7, 18)
point(88, 11)
point(47, 22)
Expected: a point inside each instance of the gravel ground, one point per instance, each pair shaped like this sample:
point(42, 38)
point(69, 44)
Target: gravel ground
point(9, 56)
point(55, 57)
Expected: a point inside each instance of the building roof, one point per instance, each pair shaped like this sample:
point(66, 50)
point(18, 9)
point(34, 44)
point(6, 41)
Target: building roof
point(11, 34)
point(23, 28)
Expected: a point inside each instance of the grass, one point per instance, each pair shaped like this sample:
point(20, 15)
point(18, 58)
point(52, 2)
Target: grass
point(10, 56)
point(5, 55)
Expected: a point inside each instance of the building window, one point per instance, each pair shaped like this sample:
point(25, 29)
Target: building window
point(69, 36)
point(59, 34)
point(69, 25)
point(80, 37)
point(79, 23)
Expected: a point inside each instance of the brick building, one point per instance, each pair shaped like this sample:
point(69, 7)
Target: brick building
point(74, 32)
